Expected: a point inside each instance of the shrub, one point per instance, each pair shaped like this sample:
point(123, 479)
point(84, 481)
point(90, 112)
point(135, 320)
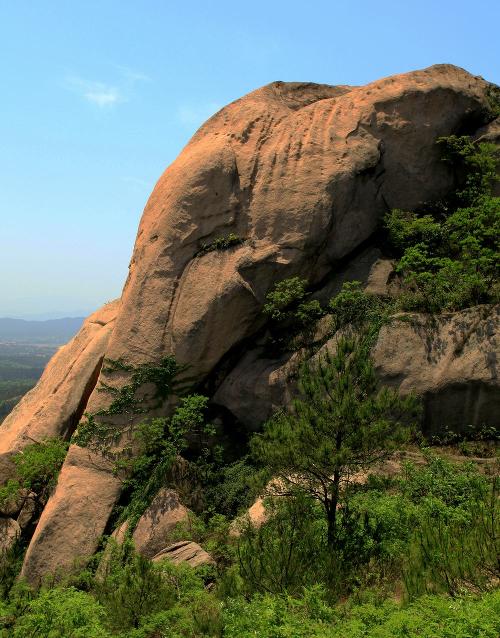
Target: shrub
point(61, 613)
point(291, 312)
point(449, 255)
point(285, 553)
point(38, 464)
point(221, 243)
point(355, 307)
point(311, 617)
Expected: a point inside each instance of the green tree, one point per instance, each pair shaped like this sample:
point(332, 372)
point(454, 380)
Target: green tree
point(341, 423)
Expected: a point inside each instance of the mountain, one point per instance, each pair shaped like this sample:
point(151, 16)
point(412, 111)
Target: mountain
point(288, 184)
point(57, 331)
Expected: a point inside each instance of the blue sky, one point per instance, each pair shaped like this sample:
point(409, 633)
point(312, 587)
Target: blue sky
point(98, 97)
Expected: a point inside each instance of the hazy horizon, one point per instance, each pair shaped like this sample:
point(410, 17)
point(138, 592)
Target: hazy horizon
point(100, 97)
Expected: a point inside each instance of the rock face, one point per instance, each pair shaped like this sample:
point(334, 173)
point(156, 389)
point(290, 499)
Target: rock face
point(301, 173)
point(54, 406)
point(185, 552)
point(451, 361)
point(157, 522)
point(9, 533)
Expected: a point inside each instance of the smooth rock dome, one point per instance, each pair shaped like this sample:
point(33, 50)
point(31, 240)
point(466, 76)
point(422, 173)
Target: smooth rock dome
point(301, 174)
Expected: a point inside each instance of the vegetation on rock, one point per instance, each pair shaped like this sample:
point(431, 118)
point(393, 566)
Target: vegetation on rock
point(449, 253)
point(221, 243)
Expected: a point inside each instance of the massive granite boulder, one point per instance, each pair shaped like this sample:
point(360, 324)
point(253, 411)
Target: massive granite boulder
point(300, 174)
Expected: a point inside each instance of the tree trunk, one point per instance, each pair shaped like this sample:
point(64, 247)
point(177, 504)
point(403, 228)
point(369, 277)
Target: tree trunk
point(331, 511)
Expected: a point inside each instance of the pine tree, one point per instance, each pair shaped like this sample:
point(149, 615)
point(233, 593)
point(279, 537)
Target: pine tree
point(341, 423)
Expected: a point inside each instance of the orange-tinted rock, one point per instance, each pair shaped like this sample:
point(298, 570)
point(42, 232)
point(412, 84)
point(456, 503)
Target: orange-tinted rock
point(302, 173)
point(185, 552)
point(451, 361)
point(75, 516)
point(54, 406)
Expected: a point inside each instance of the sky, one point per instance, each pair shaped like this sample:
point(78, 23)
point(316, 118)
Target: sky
point(98, 97)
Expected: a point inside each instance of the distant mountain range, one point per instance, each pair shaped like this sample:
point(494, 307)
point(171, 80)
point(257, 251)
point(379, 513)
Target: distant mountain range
point(54, 331)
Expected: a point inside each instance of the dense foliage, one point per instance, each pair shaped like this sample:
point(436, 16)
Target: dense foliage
point(37, 467)
point(449, 253)
point(221, 243)
point(291, 313)
point(280, 580)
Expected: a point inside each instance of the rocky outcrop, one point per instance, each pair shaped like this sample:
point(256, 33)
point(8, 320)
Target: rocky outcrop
point(159, 521)
point(187, 552)
point(54, 406)
point(450, 360)
point(301, 173)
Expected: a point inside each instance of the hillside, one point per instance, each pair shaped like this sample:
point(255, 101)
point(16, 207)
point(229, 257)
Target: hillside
point(51, 331)
point(312, 302)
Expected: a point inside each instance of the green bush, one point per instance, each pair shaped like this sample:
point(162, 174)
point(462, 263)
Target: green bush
point(291, 313)
point(449, 255)
point(59, 613)
point(360, 310)
point(311, 617)
point(287, 552)
point(452, 487)
point(221, 243)
point(37, 469)
point(39, 463)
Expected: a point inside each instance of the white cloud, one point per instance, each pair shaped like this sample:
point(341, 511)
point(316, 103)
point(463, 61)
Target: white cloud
point(106, 95)
point(97, 93)
point(136, 182)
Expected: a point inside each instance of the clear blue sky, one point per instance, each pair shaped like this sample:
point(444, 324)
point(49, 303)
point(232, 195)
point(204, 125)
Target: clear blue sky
point(99, 96)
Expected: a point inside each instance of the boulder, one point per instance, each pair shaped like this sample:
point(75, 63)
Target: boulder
point(75, 516)
point(159, 520)
point(301, 173)
point(185, 552)
point(9, 533)
point(259, 385)
point(449, 360)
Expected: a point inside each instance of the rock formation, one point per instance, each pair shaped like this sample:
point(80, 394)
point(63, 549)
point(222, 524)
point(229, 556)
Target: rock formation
point(300, 174)
point(185, 552)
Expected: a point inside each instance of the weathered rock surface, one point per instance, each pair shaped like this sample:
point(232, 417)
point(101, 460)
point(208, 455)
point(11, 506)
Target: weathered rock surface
point(185, 552)
point(301, 173)
point(28, 510)
point(54, 406)
point(75, 515)
point(158, 521)
point(9, 533)
point(452, 361)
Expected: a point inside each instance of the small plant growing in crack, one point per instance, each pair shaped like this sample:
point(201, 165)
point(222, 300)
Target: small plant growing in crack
point(221, 243)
